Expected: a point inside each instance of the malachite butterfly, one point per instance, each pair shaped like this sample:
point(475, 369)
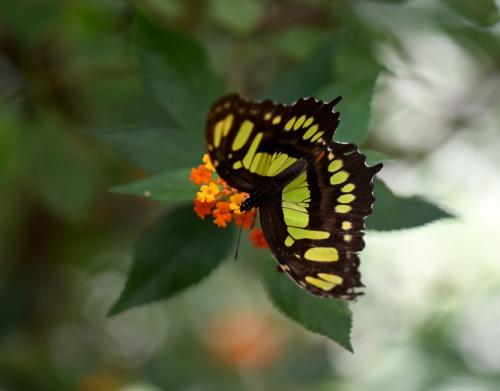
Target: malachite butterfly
point(312, 193)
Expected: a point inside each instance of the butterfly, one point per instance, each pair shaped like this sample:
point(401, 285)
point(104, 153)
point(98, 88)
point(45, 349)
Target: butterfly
point(312, 193)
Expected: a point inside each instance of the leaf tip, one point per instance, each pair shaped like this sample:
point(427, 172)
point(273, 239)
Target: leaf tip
point(116, 308)
point(348, 346)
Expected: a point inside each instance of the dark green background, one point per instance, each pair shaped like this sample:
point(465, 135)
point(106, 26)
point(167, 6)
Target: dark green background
point(99, 95)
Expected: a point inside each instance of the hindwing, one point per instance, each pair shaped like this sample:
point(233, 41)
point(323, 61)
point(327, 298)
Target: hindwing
point(314, 226)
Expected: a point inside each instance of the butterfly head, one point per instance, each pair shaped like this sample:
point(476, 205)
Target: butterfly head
point(249, 203)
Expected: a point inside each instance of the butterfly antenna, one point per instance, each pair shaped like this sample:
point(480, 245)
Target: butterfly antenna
point(239, 238)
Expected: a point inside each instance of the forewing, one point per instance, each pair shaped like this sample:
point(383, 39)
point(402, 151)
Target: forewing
point(251, 141)
point(315, 226)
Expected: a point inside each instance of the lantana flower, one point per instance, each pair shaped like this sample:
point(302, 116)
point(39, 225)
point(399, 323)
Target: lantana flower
point(208, 192)
point(200, 175)
point(221, 201)
point(222, 214)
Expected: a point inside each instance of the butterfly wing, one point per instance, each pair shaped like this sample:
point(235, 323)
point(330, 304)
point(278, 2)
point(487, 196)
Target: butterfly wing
point(248, 142)
point(315, 225)
point(314, 222)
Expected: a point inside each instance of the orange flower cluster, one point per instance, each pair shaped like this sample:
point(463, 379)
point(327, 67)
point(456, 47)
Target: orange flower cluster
point(222, 202)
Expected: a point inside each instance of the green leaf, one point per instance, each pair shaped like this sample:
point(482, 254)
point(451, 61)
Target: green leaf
point(483, 13)
point(154, 147)
point(306, 78)
point(34, 26)
point(356, 72)
point(240, 17)
point(176, 253)
point(176, 69)
point(392, 212)
point(328, 317)
point(344, 66)
point(300, 42)
point(374, 157)
point(170, 186)
point(389, 1)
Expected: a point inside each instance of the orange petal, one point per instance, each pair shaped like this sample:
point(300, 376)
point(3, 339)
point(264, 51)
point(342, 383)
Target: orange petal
point(258, 239)
point(203, 209)
point(222, 219)
point(246, 219)
point(222, 207)
point(208, 163)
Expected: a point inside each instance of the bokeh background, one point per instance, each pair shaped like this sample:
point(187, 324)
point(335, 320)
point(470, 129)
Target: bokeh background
point(69, 75)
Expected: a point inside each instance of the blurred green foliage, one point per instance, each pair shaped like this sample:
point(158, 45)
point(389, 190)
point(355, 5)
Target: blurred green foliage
point(162, 268)
point(176, 69)
point(140, 76)
point(331, 318)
